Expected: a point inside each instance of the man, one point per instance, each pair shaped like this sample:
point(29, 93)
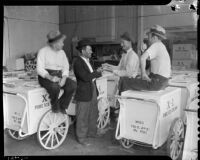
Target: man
point(53, 72)
point(86, 96)
point(129, 63)
point(160, 65)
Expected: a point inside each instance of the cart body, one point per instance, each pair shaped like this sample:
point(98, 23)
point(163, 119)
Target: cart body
point(146, 116)
point(190, 150)
point(189, 89)
point(107, 87)
point(30, 98)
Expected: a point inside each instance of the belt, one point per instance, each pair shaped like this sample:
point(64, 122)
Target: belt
point(57, 73)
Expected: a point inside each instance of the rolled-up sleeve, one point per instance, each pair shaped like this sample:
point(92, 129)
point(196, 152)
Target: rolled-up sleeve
point(41, 64)
point(132, 67)
point(65, 68)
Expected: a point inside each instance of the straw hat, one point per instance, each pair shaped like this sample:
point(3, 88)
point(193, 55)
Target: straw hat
point(54, 36)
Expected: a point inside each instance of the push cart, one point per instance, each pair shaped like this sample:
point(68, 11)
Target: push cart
point(107, 88)
point(189, 100)
point(190, 150)
point(27, 111)
point(145, 118)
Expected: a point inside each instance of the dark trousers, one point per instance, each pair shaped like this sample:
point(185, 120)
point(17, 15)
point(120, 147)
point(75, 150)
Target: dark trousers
point(157, 82)
point(86, 117)
point(53, 90)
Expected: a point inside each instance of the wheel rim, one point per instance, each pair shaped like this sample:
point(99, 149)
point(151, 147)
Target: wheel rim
point(15, 134)
point(103, 119)
point(104, 113)
point(53, 129)
point(176, 139)
point(126, 143)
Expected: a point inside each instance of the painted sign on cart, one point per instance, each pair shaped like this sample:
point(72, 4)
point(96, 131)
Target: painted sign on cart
point(147, 116)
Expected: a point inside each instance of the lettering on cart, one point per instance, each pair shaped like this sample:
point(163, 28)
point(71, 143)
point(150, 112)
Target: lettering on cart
point(139, 127)
point(45, 98)
point(170, 108)
point(42, 105)
point(16, 118)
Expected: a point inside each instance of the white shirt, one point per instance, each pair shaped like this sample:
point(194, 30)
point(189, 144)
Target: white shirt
point(88, 63)
point(47, 58)
point(160, 60)
point(129, 64)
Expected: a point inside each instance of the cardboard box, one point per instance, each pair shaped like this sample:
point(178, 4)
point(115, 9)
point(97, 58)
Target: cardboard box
point(183, 51)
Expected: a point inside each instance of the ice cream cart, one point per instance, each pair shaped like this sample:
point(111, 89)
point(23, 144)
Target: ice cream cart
point(189, 100)
point(27, 111)
point(107, 88)
point(145, 117)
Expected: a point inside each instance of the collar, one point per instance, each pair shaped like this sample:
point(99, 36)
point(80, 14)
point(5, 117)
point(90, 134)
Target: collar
point(129, 50)
point(87, 59)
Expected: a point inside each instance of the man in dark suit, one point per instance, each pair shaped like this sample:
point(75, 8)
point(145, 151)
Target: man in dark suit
point(86, 94)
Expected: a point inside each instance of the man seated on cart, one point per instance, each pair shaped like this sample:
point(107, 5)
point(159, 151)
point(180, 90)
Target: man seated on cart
point(160, 69)
point(129, 63)
point(53, 72)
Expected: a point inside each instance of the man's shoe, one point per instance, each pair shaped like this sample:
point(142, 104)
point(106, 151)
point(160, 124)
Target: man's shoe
point(83, 142)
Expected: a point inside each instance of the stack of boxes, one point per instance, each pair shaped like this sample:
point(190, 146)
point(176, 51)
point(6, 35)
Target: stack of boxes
point(184, 56)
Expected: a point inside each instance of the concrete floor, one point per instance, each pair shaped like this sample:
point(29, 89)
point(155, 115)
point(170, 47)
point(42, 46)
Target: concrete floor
point(105, 145)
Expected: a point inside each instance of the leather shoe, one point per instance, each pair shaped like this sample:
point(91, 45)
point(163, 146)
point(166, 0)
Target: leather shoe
point(83, 142)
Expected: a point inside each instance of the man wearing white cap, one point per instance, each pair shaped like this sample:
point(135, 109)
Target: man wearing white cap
point(160, 70)
point(53, 72)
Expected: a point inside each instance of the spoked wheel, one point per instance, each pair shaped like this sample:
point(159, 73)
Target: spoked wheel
point(104, 113)
point(15, 134)
point(175, 139)
point(52, 129)
point(126, 143)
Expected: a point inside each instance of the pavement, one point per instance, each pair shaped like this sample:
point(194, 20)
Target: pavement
point(105, 145)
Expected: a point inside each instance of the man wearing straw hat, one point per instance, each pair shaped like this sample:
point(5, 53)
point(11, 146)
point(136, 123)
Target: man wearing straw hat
point(160, 70)
point(53, 72)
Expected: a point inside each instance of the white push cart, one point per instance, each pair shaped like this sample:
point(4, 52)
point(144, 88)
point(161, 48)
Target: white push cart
point(27, 111)
point(188, 83)
point(107, 88)
point(145, 118)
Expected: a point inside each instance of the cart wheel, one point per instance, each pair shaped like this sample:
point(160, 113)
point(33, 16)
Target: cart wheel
point(104, 113)
point(175, 139)
point(52, 129)
point(126, 143)
point(15, 134)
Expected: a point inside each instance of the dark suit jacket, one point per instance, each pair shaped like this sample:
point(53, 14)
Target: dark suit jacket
point(84, 78)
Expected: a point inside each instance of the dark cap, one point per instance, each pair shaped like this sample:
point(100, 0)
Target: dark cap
point(82, 43)
point(127, 37)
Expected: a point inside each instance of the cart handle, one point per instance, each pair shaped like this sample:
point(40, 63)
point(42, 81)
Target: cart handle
point(23, 116)
point(9, 93)
point(190, 110)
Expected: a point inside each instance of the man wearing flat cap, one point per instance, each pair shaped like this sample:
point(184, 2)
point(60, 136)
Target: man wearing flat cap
point(86, 96)
point(160, 69)
point(129, 63)
point(53, 72)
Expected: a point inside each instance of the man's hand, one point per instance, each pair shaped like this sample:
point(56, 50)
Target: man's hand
point(146, 77)
point(55, 79)
point(100, 69)
point(62, 81)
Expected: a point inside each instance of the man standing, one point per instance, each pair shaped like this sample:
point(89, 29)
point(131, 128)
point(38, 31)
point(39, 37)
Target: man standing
point(129, 63)
point(86, 96)
point(160, 69)
point(53, 72)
